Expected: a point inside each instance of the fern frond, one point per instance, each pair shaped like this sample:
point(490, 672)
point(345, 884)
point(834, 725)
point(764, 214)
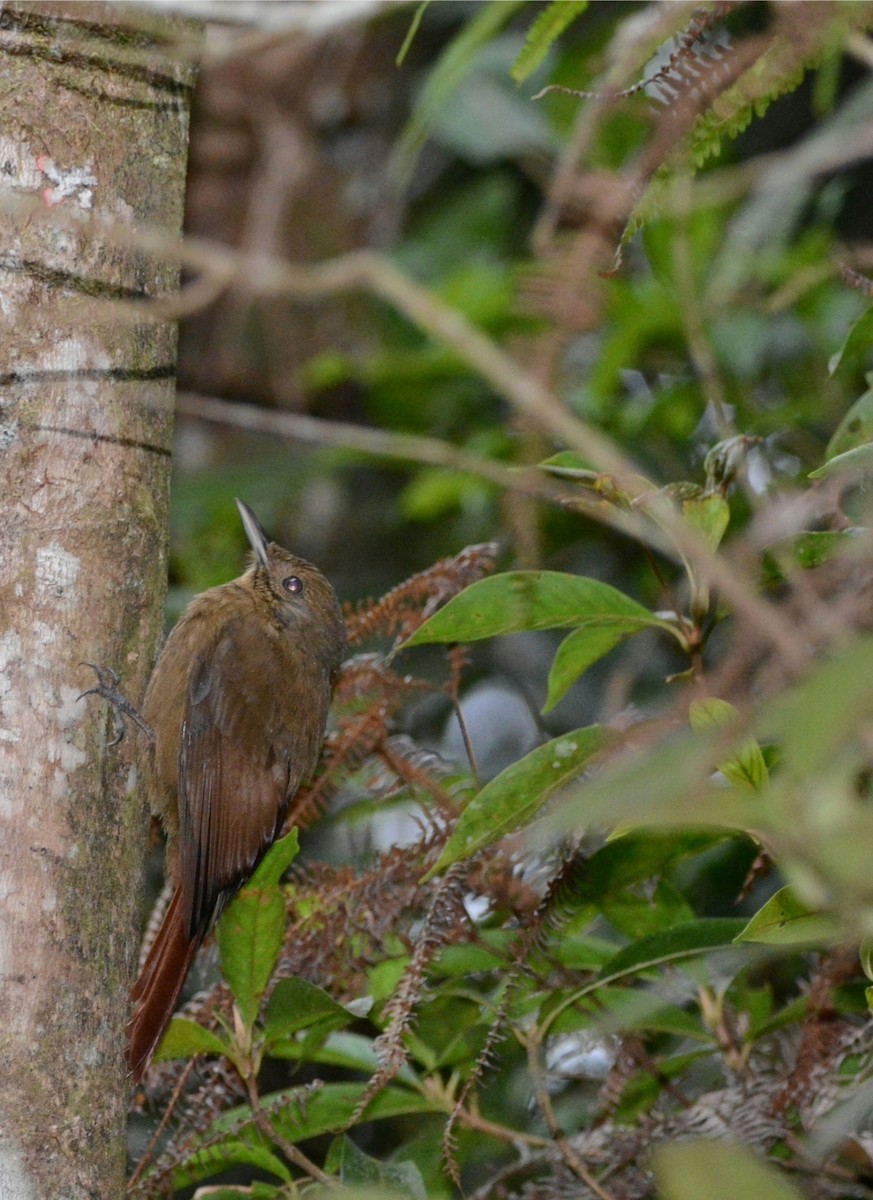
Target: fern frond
point(685, 65)
point(771, 67)
point(484, 1062)
point(443, 917)
point(400, 612)
point(543, 33)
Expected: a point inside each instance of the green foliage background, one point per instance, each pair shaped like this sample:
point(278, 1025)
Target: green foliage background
point(726, 357)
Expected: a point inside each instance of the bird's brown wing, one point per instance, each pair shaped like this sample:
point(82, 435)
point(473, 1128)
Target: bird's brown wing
point(238, 767)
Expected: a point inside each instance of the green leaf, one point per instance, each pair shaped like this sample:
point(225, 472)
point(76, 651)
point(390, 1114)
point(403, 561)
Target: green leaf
point(389, 1179)
point(631, 858)
point(411, 32)
point(711, 712)
point(254, 1191)
point(455, 63)
point(185, 1038)
point(865, 956)
point(276, 861)
point(224, 1156)
point(341, 1049)
point(298, 1114)
point(747, 768)
point(624, 1008)
point(786, 921)
point(718, 1171)
point(329, 1109)
point(669, 785)
point(601, 486)
point(546, 29)
point(435, 492)
point(682, 941)
point(637, 913)
point(582, 952)
point(510, 800)
point(568, 464)
point(249, 936)
point(813, 719)
point(524, 600)
point(466, 959)
point(856, 427)
point(816, 546)
point(859, 459)
point(296, 1004)
point(855, 349)
point(709, 516)
point(580, 650)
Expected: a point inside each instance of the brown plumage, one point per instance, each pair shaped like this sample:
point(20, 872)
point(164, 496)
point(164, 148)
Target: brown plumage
point(238, 703)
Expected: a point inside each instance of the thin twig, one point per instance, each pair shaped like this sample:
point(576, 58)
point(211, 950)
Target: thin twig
point(381, 443)
point(515, 1137)
point(293, 1153)
point(715, 569)
point(691, 311)
point(158, 1133)
point(569, 1155)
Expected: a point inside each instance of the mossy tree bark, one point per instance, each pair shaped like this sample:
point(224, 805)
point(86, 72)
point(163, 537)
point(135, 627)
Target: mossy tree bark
point(93, 136)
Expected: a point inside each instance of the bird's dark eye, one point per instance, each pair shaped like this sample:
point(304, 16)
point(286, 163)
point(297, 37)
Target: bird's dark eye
point(292, 584)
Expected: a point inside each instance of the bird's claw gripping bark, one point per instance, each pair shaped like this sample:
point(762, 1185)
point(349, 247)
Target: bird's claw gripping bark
point(107, 688)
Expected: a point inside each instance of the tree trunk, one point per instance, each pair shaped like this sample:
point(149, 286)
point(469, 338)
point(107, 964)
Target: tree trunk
point(93, 126)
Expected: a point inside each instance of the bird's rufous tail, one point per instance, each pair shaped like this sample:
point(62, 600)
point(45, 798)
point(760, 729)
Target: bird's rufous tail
point(156, 992)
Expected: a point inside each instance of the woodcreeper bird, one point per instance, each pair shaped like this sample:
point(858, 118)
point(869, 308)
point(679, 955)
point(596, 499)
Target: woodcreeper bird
point(235, 710)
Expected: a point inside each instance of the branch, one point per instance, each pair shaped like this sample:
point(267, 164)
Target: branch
point(300, 427)
point(293, 1153)
point(544, 1102)
point(365, 271)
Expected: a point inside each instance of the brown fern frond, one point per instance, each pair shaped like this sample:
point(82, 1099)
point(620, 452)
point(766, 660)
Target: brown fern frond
point(551, 913)
point(560, 901)
point(586, 223)
point(368, 747)
point(694, 59)
point(418, 770)
point(548, 915)
point(366, 676)
point(856, 280)
point(744, 1111)
point(684, 68)
point(624, 1066)
point(402, 610)
point(190, 1112)
point(821, 1030)
point(220, 1091)
point(443, 917)
point(345, 750)
point(369, 693)
point(353, 918)
point(485, 1061)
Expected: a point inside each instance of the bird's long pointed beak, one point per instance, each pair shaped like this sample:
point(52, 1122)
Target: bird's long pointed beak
point(254, 532)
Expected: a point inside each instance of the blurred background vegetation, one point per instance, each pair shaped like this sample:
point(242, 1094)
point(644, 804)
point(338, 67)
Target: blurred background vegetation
point(317, 144)
point(678, 259)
